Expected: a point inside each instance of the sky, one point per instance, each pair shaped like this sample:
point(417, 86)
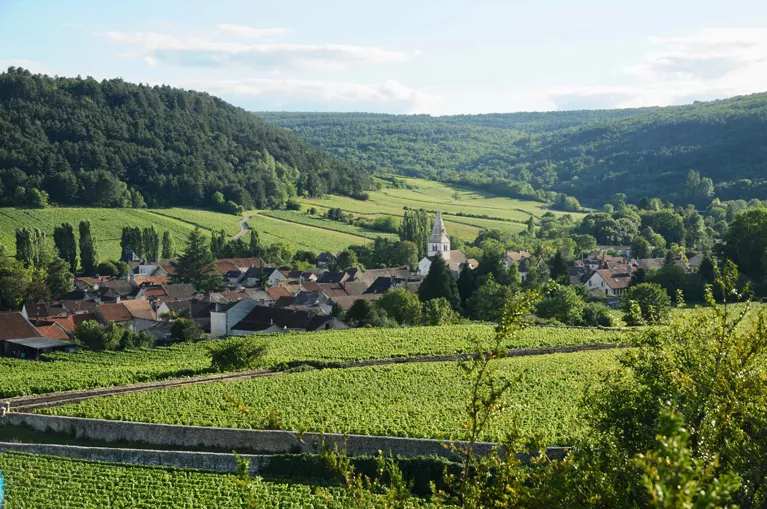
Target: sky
point(417, 56)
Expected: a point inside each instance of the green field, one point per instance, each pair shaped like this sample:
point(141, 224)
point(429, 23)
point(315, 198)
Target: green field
point(103, 369)
point(408, 400)
point(42, 482)
point(303, 236)
point(318, 221)
point(505, 214)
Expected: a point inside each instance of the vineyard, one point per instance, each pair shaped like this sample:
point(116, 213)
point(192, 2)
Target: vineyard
point(410, 400)
point(40, 482)
point(303, 236)
point(325, 224)
point(87, 370)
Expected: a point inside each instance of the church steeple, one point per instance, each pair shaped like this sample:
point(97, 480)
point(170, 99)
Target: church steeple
point(439, 242)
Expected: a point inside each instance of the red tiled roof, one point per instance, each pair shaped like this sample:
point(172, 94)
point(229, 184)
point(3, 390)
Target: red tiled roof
point(518, 256)
point(154, 291)
point(52, 332)
point(13, 325)
point(85, 317)
point(224, 266)
point(66, 322)
point(615, 278)
point(114, 312)
point(155, 280)
point(277, 292)
point(140, 309)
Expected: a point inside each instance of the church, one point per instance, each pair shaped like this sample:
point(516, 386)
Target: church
point(439, 245)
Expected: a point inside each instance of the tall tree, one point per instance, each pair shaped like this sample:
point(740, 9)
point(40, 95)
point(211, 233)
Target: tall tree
point(150, 243)
point(439, 282)
point(218, 243)
point(132, 241)
point(558, 269)
point(66, 244)
point(254, 248)
point(88, 255)
point(30, 247)
point(14, 280)
point(167, 245)
point(196, 265)
point(415, 227)
point(58, 277)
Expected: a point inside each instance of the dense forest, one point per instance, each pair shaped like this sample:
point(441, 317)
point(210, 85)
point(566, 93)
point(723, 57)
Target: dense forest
point(83, 142)
point(592, 155)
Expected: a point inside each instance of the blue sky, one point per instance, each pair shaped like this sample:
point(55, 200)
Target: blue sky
point(418, 56)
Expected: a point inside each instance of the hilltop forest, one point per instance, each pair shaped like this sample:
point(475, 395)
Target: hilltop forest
point(591, 155)
point(83, 142)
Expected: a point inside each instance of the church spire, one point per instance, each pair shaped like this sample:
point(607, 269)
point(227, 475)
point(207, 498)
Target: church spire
point(439, 242)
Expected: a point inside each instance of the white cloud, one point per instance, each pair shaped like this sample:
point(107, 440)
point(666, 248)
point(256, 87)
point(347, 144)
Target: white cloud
point(207, 52)
point(710, 63)
point(250, 33)
point(392, 93)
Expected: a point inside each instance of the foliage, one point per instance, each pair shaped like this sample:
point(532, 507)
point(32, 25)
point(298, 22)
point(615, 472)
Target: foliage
point(112, 336)
point(596, 314)
point(89, 133)
point(184, 329)
point(591, 155)
point(439, 282)
point(438, 312)
point(88, 255)
point(373, 400)
point(196, 265)
point(415, 227)
point(488, 302)
point(401, 305)
point(235, 355)
point(66, 245)
point(651, 301)
point(323, 348)
point(563, 304)
point(46, 482)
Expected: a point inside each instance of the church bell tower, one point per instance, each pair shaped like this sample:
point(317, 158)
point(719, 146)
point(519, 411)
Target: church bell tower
point(439, 242)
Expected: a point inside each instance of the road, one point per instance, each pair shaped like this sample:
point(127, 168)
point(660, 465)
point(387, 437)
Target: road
point(244, 228)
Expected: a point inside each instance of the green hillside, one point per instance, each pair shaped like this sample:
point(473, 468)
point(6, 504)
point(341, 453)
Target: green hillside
point(113, 144)
point(589, 154)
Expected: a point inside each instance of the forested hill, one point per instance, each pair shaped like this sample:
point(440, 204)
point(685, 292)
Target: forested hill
point(588, 154)
point(113, 143)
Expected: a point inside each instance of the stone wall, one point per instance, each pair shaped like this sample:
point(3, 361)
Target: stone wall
point(214, 462)
point(229, 439)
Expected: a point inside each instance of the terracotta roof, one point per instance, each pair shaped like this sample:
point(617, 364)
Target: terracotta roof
point(52, 332)
point(244, 263)
point(151, 292)
point(42, 310)
point(474, 263)
point(277, 292)
point(168, 268)
point(356, 287)
point(140, 309)
point(234, 296)
point(114, 312)
point(85, 317)
point(314, 287)
point(155, 280)
point(224, 266)
point(66, 322)
point(615, 278)
point(13, 325)
point(518, 256)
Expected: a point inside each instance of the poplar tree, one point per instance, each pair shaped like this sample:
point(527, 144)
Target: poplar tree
point(416, 227)
point(167, 245)
point(132, 241)
point(30, 247)
point(150, 244)
point(253, 247)
point(66, 244)
point(87, 249)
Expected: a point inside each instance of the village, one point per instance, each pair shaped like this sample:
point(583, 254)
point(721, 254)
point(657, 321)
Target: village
point(257, 298)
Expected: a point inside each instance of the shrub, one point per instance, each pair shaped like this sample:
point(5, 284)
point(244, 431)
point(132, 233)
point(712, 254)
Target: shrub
point(646, 303)
point(596, 314)
point(562, 304)
point(185, 329)
point(235, 355)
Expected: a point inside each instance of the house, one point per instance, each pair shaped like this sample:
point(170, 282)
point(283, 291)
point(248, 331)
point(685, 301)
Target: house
point(52, 330)
point(175, 309)
point(233, 277)
point(264, 320)
point(79, 307)
point(243, 264)
point(223, 267)
point(302, 276)
point(610, 282)
point(269, 276)
point(329, 289)
point(277, 292)
point(41, 310)
point(333, 277)
point(151, 293)
point(524, 260)
point(224, 317)
point(14, 325)
point(151, 280)
point(346, 302)
point(355, 287)
point(326, 258)
point(384, 284)
point(183, 291)
point(439, 245)
point(260, 296)
point(116, 290)
point(136, 315)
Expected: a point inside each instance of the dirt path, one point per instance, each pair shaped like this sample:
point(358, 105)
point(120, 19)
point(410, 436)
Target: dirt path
point(244, 228)
point(27, 403)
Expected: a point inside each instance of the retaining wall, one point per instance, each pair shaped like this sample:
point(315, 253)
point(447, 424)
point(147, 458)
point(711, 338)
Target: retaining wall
point(214, 462)
point(229, 439)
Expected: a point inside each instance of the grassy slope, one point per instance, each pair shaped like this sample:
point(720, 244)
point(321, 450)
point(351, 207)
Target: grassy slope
point(416, 400)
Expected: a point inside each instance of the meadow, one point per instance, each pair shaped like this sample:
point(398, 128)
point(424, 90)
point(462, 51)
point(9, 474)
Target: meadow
point(42, 482)
point(87, 370)
point(408, 400)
